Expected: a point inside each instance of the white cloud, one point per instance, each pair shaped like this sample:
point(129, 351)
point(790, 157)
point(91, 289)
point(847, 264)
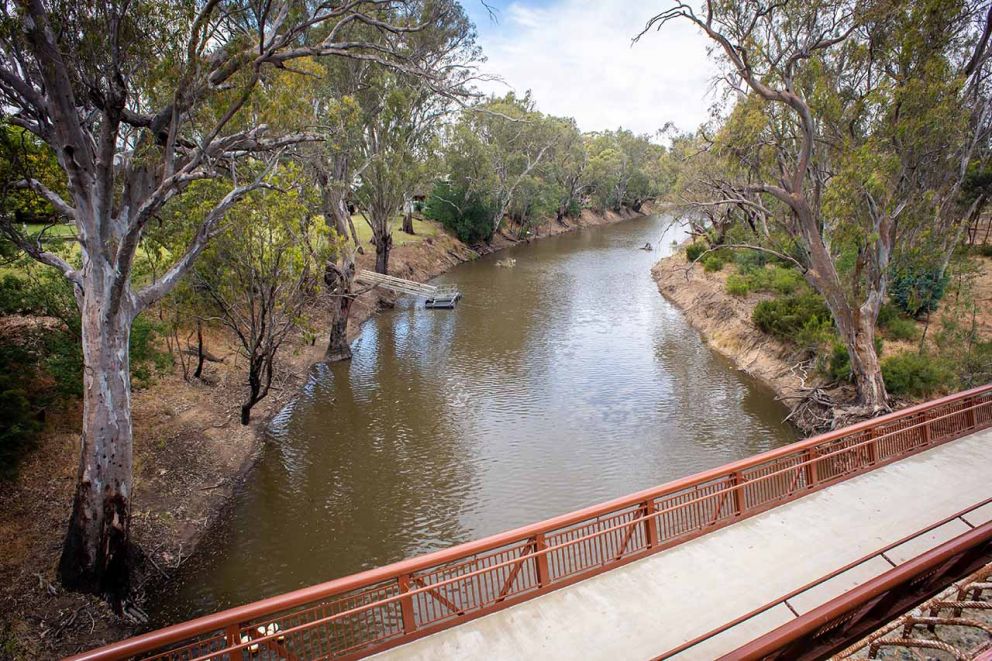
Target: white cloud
point(576, 57)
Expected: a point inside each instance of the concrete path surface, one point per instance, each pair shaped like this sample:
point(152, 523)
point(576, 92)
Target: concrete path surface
point(648, 607)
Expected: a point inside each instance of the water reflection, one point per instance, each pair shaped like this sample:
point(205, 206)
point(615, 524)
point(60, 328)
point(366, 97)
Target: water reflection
point(561, 382)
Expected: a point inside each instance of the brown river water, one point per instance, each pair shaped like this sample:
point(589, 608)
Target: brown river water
point(558, 383)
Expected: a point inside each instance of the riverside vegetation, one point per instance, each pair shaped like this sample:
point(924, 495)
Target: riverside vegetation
point(179, 176)
point(180, 193)
point(854, 154)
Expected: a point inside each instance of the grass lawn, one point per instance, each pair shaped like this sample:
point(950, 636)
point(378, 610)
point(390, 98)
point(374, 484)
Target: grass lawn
point(57, 231)
point(421, 228)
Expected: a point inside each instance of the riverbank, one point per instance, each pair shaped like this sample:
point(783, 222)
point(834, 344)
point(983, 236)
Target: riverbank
point(724, 322)
point(191, 455)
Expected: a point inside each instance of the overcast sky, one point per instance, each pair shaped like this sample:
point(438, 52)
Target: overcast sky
point(577, 59)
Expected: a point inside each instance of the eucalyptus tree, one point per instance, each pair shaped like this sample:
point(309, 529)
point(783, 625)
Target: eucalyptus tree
point(623, 168)
point(854, 126)
point(495, 147)
point(399, 121)
point(568, 167)
point(261, 274)
point(138, 100)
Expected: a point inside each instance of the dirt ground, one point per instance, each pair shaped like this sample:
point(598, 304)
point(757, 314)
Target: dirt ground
point(191, 453)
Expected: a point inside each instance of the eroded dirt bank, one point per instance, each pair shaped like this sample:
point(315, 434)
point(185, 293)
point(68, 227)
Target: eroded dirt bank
point(191, 454)
point(724, 321)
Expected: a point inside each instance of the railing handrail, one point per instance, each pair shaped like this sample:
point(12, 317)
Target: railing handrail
point(279, 603)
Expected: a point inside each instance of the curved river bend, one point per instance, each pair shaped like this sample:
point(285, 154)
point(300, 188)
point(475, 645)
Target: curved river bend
point(558, 383)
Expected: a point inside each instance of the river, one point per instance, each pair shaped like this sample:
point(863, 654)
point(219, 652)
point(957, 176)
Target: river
point(560, 382)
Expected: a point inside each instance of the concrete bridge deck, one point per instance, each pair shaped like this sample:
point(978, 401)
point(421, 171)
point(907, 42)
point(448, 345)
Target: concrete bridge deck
point(651, 606)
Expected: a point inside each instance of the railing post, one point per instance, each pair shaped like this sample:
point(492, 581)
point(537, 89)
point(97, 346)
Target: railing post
point(540, 544)
point(406, 604)
point(811, 476)
point(926, 427)
point(969, 413)
point(233, 634)
point(650, 523)
point(737, 482)
point(872, 446)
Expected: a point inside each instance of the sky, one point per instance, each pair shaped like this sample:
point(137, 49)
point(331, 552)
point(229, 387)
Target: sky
point(577, 59)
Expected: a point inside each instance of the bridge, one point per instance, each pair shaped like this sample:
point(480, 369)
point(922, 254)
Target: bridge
point(436, 296)
point(793, 553)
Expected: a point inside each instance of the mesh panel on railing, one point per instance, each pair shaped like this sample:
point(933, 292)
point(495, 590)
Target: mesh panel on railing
point(600, 541)
point(692, 509)
point(496, 575)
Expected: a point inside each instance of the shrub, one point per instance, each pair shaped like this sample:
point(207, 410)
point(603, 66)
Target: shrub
point(19, 421)
point(13, 294)
point(916, 290)
point(900, 328)
point(147, 359)
point(886, 313)
point(19, 425)
point(801, 318)
point(839, 362)
point(712, 262)
point(574, 209)
point(750, 259)
point(694, 250)
point(737, 285)
point(784, 280)
point(912, 374)
point(773, 278)
point(465, 214)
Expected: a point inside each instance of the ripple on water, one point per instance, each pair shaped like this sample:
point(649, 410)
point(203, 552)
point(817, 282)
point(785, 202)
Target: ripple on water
point(562, 382)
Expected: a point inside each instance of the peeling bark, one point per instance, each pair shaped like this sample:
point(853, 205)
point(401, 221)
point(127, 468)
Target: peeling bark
point(94, 555)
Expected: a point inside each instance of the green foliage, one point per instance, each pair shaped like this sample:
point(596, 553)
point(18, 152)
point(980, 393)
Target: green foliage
point(737, 285)
point(712, 262)
point(13, 295)
point(463, 213)
point(801, 318)
point(773, 279)
point(20, 422)
point(574, 209)
point(983, 249)
point(147, 359)
point(913, 374)
point(22, 155)
point(901, 328)
point(694, 250)
point(917, 290)
point(750, 259)
point(43, 292)
point(894, 324)
point(886, 313)
point(838, 365)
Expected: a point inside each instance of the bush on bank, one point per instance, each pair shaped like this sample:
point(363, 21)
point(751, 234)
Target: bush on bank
point(42, 365)
point(466, 215)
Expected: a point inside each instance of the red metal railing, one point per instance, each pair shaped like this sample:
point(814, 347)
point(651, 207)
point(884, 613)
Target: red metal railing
point(371, 611)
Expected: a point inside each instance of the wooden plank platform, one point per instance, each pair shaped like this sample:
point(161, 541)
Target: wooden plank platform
point(438, 297)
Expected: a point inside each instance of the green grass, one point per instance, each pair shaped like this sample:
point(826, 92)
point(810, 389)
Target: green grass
point(421, 229)
point(58, 231)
